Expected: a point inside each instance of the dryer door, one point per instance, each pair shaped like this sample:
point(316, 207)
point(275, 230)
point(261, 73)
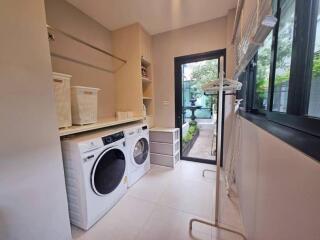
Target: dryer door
point(108, 171)
point(141, 151)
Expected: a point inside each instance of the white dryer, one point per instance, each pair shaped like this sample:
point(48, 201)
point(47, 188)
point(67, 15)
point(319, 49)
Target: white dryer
point(137, 139)
point(96, 175)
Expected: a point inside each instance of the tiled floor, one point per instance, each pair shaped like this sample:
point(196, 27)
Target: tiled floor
point(160, 206)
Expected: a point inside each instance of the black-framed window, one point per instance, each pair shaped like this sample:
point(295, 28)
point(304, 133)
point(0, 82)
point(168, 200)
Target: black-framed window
point(284, 83)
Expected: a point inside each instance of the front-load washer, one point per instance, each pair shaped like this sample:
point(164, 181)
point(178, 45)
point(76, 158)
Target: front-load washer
point(96, 175)
point(137, 139)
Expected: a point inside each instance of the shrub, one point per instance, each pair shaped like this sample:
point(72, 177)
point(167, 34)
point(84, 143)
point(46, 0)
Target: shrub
point(192, 129)
point(190, 134)
point(187, 137)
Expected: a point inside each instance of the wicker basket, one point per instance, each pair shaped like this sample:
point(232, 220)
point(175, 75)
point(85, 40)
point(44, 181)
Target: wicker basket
point(61, 88)
point(84, 105)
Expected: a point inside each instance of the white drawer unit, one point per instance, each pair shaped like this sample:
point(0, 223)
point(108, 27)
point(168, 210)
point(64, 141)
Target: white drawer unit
point(164, 135)
point(165, 160)
point(165, 146)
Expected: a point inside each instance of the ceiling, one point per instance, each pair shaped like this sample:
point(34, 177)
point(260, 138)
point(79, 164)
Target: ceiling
point(156, 16)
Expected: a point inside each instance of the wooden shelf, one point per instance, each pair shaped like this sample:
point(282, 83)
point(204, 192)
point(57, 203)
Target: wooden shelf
point(146, 80)
point(145, 62)
point(147, 98)
point(109, 122)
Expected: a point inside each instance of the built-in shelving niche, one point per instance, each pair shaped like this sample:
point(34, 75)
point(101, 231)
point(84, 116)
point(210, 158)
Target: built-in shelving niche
point(147, 89)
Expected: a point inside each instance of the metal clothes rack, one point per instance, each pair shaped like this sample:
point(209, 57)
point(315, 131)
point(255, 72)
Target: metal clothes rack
point(216, 222)
point(52, 38)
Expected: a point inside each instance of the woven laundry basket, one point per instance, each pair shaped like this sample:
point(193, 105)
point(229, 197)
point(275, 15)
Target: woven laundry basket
point(61, 89)
point(84, 105)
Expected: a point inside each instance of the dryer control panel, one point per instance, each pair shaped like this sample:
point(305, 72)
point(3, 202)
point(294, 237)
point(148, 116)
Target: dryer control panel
point(112, 138)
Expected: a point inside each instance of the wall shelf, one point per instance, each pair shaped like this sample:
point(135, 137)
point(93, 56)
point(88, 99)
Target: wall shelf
point(146, 80)
point(147, 98)
point(145, 62)
point(108, 122)
point(133, 43)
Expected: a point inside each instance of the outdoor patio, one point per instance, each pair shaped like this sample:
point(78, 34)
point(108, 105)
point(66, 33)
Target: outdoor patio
point(205, 144)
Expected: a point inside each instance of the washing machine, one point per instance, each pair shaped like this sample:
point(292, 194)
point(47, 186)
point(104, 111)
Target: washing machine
point(96, 175)
point(137, 139)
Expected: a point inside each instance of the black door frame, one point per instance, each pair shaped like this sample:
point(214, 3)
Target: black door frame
point(178, 61)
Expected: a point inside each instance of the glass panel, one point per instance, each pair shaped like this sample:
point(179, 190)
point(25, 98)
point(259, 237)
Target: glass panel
point(283, 59)
point(263, 72)
point(314, 99)
point(198, 110)
point(109, 171)
point(141, 151)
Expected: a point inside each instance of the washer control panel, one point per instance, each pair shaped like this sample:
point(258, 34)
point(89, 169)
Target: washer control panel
point(88, 146)
point(112, 138)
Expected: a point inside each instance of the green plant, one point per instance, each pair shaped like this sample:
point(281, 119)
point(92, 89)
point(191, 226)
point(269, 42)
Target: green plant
point(316, 66)
point(192, 123)
point(187, 137)
point(192, 129)
point(190, 134)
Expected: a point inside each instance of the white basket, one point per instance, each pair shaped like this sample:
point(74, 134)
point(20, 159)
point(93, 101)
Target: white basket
point(61, 89)
point(84, 105)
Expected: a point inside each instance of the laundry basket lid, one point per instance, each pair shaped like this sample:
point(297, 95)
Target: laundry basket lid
point(86, 88)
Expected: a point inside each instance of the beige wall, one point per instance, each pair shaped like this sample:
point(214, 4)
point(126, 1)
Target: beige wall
point(33, 202)
point(278, 187)
point(64, 16)
point(166, 46)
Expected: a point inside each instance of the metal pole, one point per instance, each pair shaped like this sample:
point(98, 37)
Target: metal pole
point(221, 77)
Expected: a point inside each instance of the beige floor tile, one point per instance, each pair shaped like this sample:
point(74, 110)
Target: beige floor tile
point(193, 171)
point(153, 184)
point(218, 234)
point(160, 205)
point(123, 222)
point(189, 196)
point(170, 224)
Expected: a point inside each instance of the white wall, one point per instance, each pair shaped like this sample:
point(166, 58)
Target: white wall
point(66, 17)
point(33, 203)
point(278, 188)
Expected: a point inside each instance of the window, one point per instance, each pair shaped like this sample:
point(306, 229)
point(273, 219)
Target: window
point(262, 74)
point(284, 82)
point(314, 99)
point(283, 56)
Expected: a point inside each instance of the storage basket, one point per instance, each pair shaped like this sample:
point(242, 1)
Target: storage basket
point(61, 89)
point(84, 105)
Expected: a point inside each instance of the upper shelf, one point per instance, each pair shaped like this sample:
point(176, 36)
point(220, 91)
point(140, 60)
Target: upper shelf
point(108, 122)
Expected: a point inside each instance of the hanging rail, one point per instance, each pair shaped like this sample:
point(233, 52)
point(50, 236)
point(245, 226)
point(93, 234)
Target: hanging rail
point(51, 37)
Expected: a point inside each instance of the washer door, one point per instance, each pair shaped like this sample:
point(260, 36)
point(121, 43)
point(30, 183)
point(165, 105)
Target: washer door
point(141, 151)
point(108, 171)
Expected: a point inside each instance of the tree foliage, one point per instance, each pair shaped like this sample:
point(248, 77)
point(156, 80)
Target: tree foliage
point(201, 74)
